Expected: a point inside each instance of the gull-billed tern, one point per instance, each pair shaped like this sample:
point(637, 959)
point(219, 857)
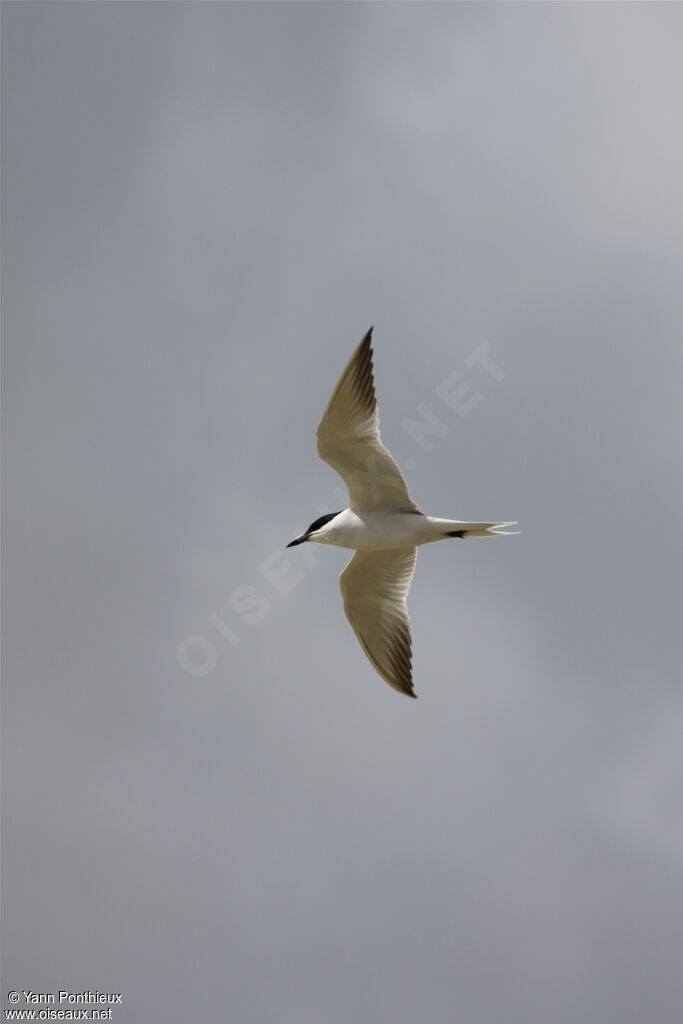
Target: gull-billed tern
point(382, 523)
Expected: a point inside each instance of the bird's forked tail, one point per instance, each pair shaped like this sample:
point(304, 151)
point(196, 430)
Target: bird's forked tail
point(458, 529)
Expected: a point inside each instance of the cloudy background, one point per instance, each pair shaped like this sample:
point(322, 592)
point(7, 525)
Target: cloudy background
point(213, 805)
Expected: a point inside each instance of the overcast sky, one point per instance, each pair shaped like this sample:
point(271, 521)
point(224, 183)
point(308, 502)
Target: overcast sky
point(213, 804)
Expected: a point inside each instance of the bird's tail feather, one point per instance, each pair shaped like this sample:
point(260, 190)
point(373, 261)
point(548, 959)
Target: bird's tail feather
point(458, 529)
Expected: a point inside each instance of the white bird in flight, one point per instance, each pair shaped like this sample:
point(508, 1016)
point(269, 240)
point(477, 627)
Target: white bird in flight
point(382, 523)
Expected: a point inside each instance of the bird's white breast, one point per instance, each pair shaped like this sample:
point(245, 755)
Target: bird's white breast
point(377, 530)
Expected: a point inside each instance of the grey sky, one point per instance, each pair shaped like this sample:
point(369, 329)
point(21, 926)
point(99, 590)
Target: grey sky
point(204, 208)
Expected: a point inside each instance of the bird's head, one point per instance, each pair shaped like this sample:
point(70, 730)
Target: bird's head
point(313, 529)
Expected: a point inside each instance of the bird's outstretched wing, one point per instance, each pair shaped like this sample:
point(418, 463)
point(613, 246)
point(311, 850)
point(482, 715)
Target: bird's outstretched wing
point(348, 439)
point(374, 587)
